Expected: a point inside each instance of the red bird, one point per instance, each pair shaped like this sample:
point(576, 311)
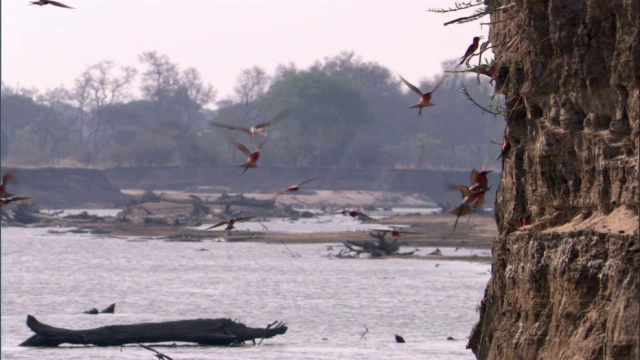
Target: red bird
point(259, 129)
point(252, 157)
point(425, 98)
point(356, 214)
point(6, 178)
point(506, 146)
point(471, 49)
point(8, 200)
point(525, 220)
point(230, 223)
point(479, 180)
point(471, 200)
point(293, 188)
point(395, 233)
point(50, 2)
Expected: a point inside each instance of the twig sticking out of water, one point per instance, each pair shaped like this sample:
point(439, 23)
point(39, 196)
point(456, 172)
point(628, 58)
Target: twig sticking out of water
point(293, 254)
point(365, 332)
point(157, 353)
point(276, 323)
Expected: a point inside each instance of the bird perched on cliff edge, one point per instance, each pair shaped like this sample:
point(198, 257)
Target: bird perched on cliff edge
point(50, 2)
point(471, 49)
point(259, 129)
point(425, 98)
point(506, 146)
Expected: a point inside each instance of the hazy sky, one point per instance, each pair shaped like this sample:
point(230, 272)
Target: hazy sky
point(44, 47)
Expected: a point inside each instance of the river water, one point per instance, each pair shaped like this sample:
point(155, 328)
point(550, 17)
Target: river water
point(326, 302)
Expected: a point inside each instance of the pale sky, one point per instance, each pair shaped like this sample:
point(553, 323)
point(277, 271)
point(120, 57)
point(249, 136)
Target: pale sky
point(47, 46)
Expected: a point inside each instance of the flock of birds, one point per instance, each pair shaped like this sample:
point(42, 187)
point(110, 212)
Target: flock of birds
point(473, 196)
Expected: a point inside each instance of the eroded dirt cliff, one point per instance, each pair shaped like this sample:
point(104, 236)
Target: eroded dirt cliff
point(566, 286)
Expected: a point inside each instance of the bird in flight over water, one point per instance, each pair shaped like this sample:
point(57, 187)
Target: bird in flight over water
point(425, 98)
point(50, 2)
point(259, 129)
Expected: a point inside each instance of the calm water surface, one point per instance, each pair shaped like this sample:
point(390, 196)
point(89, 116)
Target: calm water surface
point(325, 302)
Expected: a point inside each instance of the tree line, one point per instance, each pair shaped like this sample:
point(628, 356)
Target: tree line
point(344, 112)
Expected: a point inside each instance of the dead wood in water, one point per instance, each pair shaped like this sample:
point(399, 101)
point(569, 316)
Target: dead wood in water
point(381, 248)
point(200, 331)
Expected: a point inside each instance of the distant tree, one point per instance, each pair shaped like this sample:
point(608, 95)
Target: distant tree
point(326, 113)
point(105, 90)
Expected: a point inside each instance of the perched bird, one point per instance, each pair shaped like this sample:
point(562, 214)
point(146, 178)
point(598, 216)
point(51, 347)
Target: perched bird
point(158, 354)
point(525, 220)
point(471, 200)
point(8, 200)
point(6, 178)
point(471, 49)
point(50, 2)
point(252, 157)
point(506, 146)
point(395, 233)
point(230, 223)
point(259, 129)
point(294, 188)
point(425, 98)
point(356, 214)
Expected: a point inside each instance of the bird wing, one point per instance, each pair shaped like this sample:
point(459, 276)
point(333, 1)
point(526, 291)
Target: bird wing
point(367, 217)
point(231, 127)
point(245, 218)
point(59, 4)
point(305, 182)
point(216, 225)
point(475, 177)
point(242, 148)
point(279, 117)
point(411, 86)
point(463, 189)
point(7, 177)
point(442, 79)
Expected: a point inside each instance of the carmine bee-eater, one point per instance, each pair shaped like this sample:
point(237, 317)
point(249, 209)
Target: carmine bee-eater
point(525, 220)
point(259, 129)
point(479, 180)
point(356, 214)
point(471, 49)
point(293, 188)
point(395, 233)
point(50, 2)
point(506, 146)
point(7, 177)
point(252, 157)
point(230, 223)
point(425, 98)
point(470, 200)
point(8, 200)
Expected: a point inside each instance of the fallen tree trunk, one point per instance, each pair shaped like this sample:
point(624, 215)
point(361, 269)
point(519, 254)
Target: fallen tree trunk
point(200, 331)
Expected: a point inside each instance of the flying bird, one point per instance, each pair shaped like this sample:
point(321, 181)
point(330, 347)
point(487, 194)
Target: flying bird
point(395, 233)
point(479, 180)
point(252, 157)
point(471, 200)
point(356, 214)
point(8, 200)
point(506, 146)
point(259, 129)
point(230, 223)
point(294, 188)
point(425, 98)
point(6, 178)
point(471, 49)
point(50, 2)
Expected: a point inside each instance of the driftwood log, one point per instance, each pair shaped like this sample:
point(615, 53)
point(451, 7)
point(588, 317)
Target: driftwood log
point(200, 331)
point(382, 247)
